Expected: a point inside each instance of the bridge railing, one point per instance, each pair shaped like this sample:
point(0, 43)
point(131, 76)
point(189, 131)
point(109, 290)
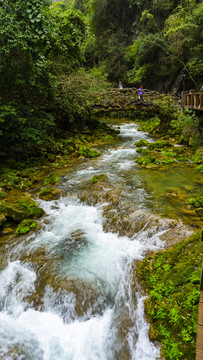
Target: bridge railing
point(193, 100)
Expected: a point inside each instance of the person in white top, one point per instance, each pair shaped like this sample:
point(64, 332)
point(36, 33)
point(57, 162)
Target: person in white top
point(120, 85)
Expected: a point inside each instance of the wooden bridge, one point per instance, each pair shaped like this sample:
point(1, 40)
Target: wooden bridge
point(192, 100)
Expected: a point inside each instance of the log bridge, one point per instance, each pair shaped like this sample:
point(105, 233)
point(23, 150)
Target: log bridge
point(124, 100)
point(128, 99)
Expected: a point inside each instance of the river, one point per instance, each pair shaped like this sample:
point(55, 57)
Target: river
point(67, 292)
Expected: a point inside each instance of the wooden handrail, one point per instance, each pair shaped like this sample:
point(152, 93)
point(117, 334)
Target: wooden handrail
point(193, 100)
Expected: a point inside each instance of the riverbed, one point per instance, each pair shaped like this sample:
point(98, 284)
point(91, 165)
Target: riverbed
point(66, 291)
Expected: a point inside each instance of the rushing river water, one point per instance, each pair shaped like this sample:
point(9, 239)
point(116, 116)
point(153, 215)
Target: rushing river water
point(66, 292)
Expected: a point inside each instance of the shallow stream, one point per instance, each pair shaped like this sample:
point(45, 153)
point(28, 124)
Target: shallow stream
point(68, 291)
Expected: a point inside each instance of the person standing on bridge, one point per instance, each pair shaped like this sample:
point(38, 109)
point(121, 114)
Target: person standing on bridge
point(120, 85)
point(141, 92)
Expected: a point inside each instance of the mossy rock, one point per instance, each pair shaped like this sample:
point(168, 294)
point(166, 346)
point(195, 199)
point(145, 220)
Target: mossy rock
point(97, 178)
point(87, 152)
point(166, 160)
point(31, 207)
point(158, 145)
point(51, 157)
point(142, 143)
point(143, 151)
point(49, 194)
point(199, 212)
point(13, 211)
point(147, 160)
point(51, 179)
point(25, 226)
point(2, 219)
point(24, 208)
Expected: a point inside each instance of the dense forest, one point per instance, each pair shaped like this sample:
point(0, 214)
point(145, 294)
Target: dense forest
point(50, 52)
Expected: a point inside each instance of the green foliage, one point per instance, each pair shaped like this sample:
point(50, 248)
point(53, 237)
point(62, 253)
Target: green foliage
point(172, 278)
point(187, 126)
point(197, 202)
point(51, 179)
point(197, 158)
point(69, 30)
point(3, 194)
point(26, 80)
point(10, 179)
point(150, 125)
point(169, 43)
point(199, 167)
point(25, 226)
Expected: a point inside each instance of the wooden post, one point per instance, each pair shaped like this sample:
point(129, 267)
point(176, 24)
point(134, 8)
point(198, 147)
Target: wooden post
point(196, 100)
point(188, 100)
point(192, 100)
point(184, 100)
point(201, 100)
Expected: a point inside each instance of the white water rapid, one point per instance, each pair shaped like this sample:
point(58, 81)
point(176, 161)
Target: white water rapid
point(66, 293)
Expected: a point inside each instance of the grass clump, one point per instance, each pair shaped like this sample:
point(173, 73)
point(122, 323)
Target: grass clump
point(172, 279)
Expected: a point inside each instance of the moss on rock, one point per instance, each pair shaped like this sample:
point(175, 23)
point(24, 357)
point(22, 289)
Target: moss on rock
point(25, 226)
point(142, 143)
point(172, 279)
point(24, 208)
point(97, 178)
point(51, 179)
point(49, 194)
point(158, 145)
point(147, 160)
point(87, 152)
